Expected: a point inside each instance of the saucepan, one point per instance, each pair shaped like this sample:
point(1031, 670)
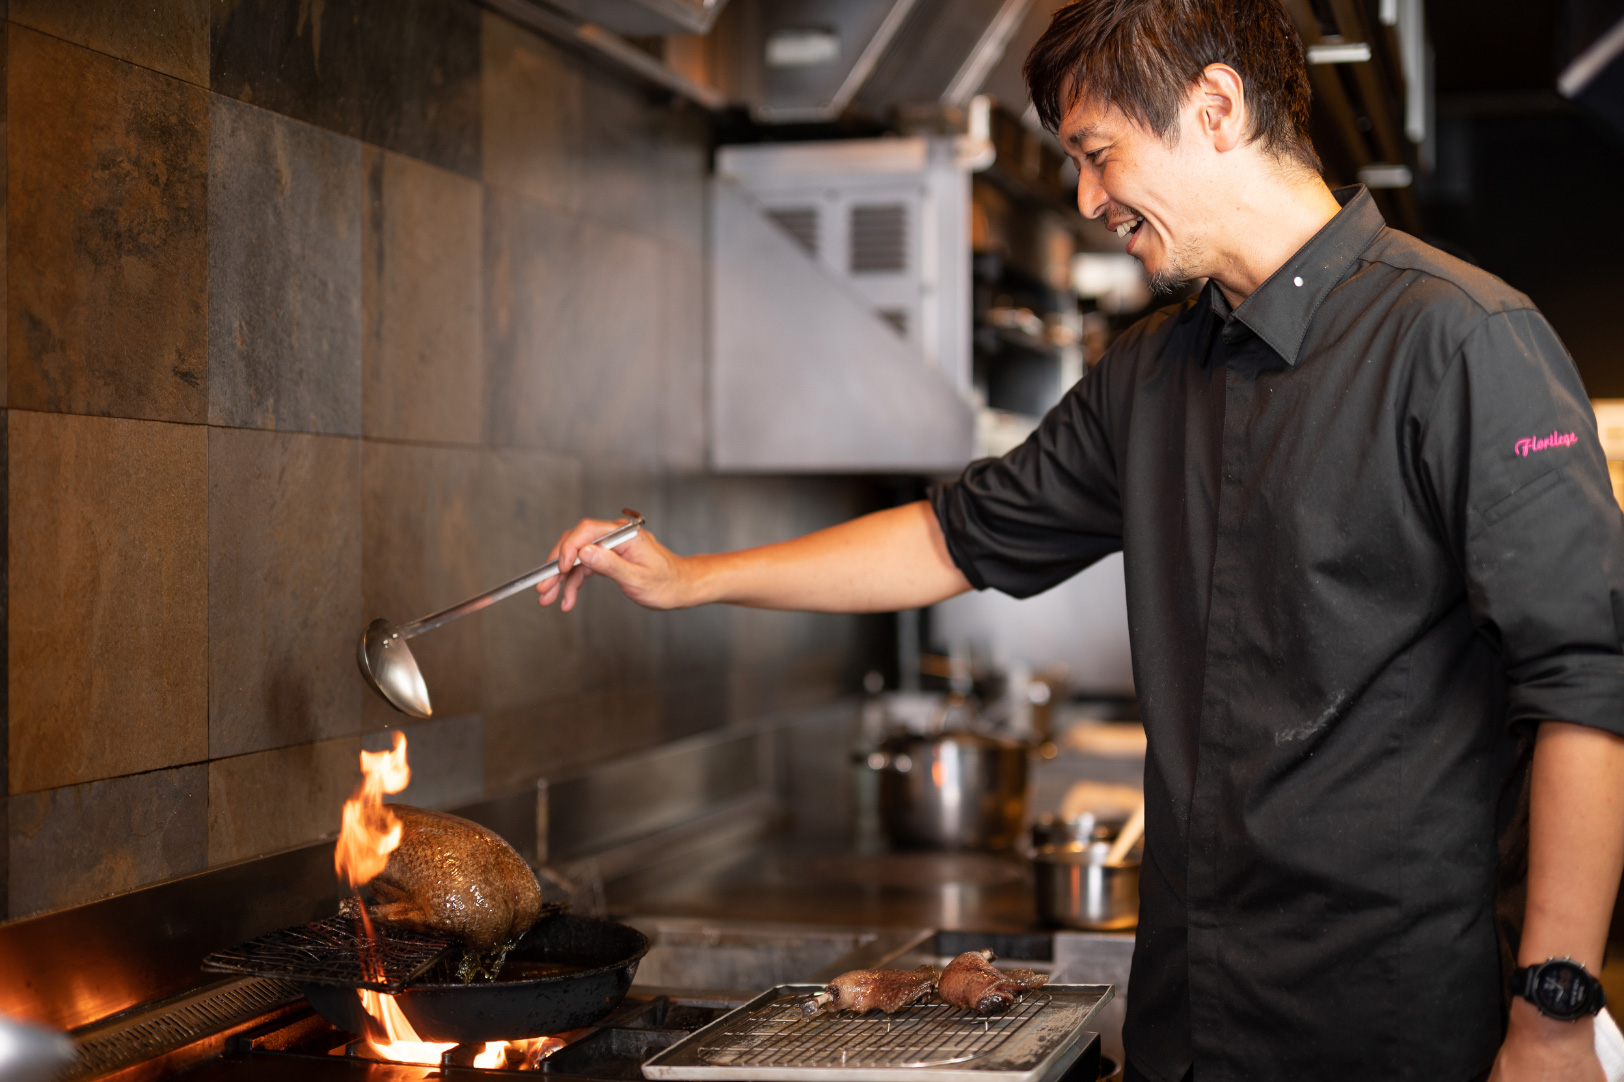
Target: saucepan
point(1088, 876)
point(1076, 888)
point(567, 971)
point(955, 790)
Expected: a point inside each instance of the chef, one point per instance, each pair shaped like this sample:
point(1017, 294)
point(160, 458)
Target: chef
point(1375, 582)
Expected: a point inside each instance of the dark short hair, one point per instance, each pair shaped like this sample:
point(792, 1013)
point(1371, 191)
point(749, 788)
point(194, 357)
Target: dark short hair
point(1142, 56)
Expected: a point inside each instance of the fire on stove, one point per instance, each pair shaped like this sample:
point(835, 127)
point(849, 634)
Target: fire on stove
point(393, 993)
point(612, 1048)
point(370, 832)
point(401, 1044)
point(519, 1055)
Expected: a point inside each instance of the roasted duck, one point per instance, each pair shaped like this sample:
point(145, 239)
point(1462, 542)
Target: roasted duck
point(885, 990)
point(971, 983)
point(454, 878)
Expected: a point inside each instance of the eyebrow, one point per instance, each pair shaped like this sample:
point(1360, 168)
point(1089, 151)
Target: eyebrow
point(1088, 131)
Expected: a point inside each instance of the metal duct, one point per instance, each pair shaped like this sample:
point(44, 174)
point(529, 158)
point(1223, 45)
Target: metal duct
point(804, 377)
point(641, 18)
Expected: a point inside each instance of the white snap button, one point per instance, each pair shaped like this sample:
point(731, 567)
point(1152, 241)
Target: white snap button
point(1297, 282)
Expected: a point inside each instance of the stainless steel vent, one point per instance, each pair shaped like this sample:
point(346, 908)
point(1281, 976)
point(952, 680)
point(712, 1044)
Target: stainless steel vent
point(879, 239)
point(146, 1032)
point(644, 17)
point(800, 223)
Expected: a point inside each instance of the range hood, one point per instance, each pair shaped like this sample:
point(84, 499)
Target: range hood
point(645, 18)
point(800, 61)
point(812, 60)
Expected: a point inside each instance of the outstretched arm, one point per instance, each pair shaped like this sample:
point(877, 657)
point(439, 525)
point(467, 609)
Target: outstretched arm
point(889, 560)
point(1575, 858)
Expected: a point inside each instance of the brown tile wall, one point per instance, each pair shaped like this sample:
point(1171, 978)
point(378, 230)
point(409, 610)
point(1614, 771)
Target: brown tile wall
point(320, 312)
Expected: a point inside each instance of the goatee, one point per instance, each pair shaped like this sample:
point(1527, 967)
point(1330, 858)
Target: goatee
point(1167, 282)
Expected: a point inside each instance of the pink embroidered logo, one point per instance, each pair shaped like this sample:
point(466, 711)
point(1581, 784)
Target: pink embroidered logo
point(1529, 445)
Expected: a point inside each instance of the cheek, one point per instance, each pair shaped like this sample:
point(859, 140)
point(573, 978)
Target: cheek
point(1123, 184)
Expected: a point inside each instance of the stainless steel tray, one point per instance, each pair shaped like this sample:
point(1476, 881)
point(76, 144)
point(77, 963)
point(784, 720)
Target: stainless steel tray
point(767, 1040)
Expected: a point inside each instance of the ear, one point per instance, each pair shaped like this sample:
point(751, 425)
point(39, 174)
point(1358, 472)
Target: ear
point(1219, 96)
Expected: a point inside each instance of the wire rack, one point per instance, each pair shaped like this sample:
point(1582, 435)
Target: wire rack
point(329, 951)
point(933, 1035)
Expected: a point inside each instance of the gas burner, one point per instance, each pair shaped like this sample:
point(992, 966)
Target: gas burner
point(521, 1055)
point(613, 1048)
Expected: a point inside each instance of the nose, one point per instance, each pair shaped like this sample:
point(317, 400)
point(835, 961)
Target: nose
point(1091, 197)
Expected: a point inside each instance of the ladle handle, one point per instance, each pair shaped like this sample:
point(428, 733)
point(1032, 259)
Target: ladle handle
point(546, 571)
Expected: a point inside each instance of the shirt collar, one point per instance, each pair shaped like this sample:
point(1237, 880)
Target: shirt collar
point(1280, 309)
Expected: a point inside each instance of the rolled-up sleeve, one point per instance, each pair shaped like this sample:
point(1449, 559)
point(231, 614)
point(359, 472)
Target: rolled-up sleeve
point(1033, 518)
point(1510, 455)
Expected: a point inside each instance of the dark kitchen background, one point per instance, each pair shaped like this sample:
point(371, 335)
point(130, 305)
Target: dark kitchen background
point(318, 312)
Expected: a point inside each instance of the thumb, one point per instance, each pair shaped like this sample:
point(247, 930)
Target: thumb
point(608, 563)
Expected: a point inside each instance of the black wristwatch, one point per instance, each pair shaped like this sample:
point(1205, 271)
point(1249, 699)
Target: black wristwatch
point(1560, 988)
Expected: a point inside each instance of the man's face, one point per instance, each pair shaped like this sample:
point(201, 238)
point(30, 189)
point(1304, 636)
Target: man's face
point(1145, 189)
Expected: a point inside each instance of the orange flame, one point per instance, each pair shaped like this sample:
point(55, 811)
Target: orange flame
point(527, 1055)
point(370, 831)
point(402, 1044)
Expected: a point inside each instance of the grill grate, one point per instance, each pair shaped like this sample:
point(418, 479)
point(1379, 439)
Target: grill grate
point(329, 952)
point(934, 1035)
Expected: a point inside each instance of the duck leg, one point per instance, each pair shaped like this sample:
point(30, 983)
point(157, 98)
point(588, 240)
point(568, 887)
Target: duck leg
point(971, 983)
point(887, 990)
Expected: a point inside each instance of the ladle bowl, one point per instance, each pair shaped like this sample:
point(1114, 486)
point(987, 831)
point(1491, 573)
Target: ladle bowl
point(387, 662)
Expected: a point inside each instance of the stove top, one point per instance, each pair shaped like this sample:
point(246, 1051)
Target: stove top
point(302, 1045)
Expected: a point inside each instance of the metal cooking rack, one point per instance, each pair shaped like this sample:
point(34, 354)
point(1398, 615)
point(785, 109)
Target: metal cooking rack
point(328, 951)
point(933, 1035)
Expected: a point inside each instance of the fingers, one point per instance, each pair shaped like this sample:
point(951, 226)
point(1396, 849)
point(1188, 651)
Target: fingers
point(547, 592)
point(572, 586)
point(566, 550)
point(630, 565)
point(596, 560)
point(569, 546)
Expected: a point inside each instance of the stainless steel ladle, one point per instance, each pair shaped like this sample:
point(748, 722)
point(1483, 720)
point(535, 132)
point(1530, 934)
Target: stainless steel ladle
point(386, 661)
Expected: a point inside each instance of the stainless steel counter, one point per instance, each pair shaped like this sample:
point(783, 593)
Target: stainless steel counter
point(811, 883)
point(787, 911)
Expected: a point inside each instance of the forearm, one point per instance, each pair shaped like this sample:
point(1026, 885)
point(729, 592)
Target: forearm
point(1575, 843)
point(890, 560)
point(1575, 857)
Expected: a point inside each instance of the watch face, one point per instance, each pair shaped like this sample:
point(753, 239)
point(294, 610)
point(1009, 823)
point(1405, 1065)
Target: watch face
point(1561, 989)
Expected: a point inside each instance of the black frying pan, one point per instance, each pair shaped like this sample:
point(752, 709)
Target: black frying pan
point(605, 953)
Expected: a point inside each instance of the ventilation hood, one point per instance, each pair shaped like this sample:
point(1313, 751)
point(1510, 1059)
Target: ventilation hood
point(808, 61)
point(644, 18)
point(812, 60)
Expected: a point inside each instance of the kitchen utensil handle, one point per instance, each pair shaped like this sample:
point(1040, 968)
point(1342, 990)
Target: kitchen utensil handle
point(1130, 834)
point(612, 539)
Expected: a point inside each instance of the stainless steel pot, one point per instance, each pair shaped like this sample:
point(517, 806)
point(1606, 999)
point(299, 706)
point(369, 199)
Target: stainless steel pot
point(957, 790)
point(1051, 829)
point(1075, 888)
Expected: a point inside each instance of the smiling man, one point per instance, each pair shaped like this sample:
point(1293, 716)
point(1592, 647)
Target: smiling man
point(1375, 584)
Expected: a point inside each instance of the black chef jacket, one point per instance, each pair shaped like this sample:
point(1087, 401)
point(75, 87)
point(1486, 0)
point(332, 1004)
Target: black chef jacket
point(1368, 537)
